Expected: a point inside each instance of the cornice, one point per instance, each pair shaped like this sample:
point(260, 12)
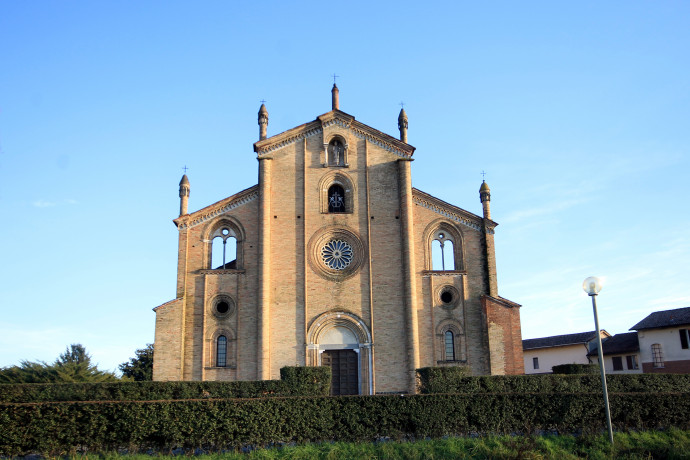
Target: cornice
point(334, 118)
point(503, 301)
point(169, 302)
point(221, 207)
point(265, 147)
point(451, 212)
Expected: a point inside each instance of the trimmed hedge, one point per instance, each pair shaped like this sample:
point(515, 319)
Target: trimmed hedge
point(62, 428)
point(295, 381)
point(570, 369)
point(447, 380)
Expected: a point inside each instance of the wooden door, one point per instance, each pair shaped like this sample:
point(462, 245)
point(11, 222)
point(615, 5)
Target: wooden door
point(344, 366)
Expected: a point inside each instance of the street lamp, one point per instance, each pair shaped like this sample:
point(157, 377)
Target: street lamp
point(592, 286)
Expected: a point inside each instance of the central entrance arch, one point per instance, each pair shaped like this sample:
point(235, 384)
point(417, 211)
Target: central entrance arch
point(342, 341)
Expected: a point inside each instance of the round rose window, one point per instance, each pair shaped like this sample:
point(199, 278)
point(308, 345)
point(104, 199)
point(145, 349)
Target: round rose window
point(337, 254)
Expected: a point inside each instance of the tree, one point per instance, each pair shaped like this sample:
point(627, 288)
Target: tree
point(74, 365)
point(140, 367)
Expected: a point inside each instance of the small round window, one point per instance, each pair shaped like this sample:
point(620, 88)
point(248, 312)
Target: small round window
point(448, 296)
point(223, 306)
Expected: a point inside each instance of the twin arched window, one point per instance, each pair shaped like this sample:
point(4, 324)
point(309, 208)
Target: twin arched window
point(445, 256)
point(224, 249)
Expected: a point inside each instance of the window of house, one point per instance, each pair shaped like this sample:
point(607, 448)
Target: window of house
point(450, 346)
point(221, 351)
point(632, 362)
point(535, 363)
point(684, 338)
point(336, 198)
point(617, 363)
point(336, 153)
point(224, 250)
point(657, 355)
point(442, 252)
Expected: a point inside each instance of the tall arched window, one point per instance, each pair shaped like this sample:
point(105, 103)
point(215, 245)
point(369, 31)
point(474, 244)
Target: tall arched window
point(221, 351)
point(449, 342)
point(336, 198)
point(442, 252)
point(224, 250)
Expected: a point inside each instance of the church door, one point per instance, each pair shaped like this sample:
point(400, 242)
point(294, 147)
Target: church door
point(344, 371)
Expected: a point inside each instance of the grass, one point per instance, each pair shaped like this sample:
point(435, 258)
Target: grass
point(671, 444)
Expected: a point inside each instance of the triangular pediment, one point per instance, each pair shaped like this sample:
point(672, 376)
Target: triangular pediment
point(217, 208)
point(451, 212)
point(265, 147)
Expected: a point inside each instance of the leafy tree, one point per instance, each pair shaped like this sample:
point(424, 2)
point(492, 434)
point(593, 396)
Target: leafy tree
point(140, 367)
point(74, 365)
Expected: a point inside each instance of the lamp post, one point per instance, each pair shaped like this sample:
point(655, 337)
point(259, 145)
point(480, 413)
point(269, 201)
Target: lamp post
point(592, 286)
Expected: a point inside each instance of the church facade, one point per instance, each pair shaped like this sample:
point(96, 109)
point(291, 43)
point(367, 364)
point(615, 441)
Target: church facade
point(333, 258)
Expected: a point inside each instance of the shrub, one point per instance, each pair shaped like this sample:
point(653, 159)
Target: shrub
point(569, 369)
point(441, 380)
point(295, 381)
point(61, 428)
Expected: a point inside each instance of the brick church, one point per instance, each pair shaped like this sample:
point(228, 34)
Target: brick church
point(333, 258)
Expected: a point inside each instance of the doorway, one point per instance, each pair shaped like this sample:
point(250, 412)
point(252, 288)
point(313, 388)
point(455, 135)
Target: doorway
point(344, 366)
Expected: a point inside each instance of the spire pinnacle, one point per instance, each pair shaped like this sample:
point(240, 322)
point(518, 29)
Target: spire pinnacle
point(335, 96)
point(263, 121)
point(402, 124)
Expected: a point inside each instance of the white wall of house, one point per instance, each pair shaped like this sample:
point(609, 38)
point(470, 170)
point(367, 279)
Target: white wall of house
point(608, 363)
point(552, 356)
point(668, 338)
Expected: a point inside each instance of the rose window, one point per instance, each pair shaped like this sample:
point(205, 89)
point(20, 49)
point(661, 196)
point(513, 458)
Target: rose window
point(337, 254)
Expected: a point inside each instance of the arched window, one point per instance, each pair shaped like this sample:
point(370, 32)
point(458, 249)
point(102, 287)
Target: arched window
point(442, 251)
point(449, 342)
point(224, 250)
point(221, 351)
point(336, 153)
point(336, 198)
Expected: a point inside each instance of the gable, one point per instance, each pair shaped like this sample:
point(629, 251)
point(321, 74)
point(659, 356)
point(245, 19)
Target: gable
point(335, 118)
point(217, 208)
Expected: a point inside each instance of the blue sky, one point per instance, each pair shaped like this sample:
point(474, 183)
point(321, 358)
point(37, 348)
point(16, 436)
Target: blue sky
point(578, 112)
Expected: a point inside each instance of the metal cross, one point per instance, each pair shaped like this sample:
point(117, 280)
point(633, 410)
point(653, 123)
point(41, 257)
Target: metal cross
point(483, 174)
point(334, 77)
point(185, 169)
point(262, 101)
point(402, 105)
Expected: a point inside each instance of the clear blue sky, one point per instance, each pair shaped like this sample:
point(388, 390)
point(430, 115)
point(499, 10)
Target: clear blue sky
point(578, 112)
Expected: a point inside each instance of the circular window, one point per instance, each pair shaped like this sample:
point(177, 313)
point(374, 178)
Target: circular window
point(448, 296)
point(337, 254)
point(223, 306)
point(225, 231)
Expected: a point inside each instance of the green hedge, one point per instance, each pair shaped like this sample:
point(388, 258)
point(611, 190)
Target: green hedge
point(447, 380)
point(61, 428)
point(295, 381)
point(575, 369)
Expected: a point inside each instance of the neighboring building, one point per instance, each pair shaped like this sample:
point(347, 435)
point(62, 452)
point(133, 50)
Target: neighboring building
point(621, 354)
point(335, 259)
point(543, 353)
point(664, 338)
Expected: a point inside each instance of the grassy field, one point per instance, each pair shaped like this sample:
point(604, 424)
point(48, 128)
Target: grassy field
point(672, 444)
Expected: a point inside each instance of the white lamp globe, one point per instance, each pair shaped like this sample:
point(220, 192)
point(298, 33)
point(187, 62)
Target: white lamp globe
point(592, 285)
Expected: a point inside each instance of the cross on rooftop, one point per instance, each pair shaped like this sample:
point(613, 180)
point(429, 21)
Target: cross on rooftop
point(262, 101)
point(483, 174)
point(402, 105)
point(185, 169)
point(334, 77)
